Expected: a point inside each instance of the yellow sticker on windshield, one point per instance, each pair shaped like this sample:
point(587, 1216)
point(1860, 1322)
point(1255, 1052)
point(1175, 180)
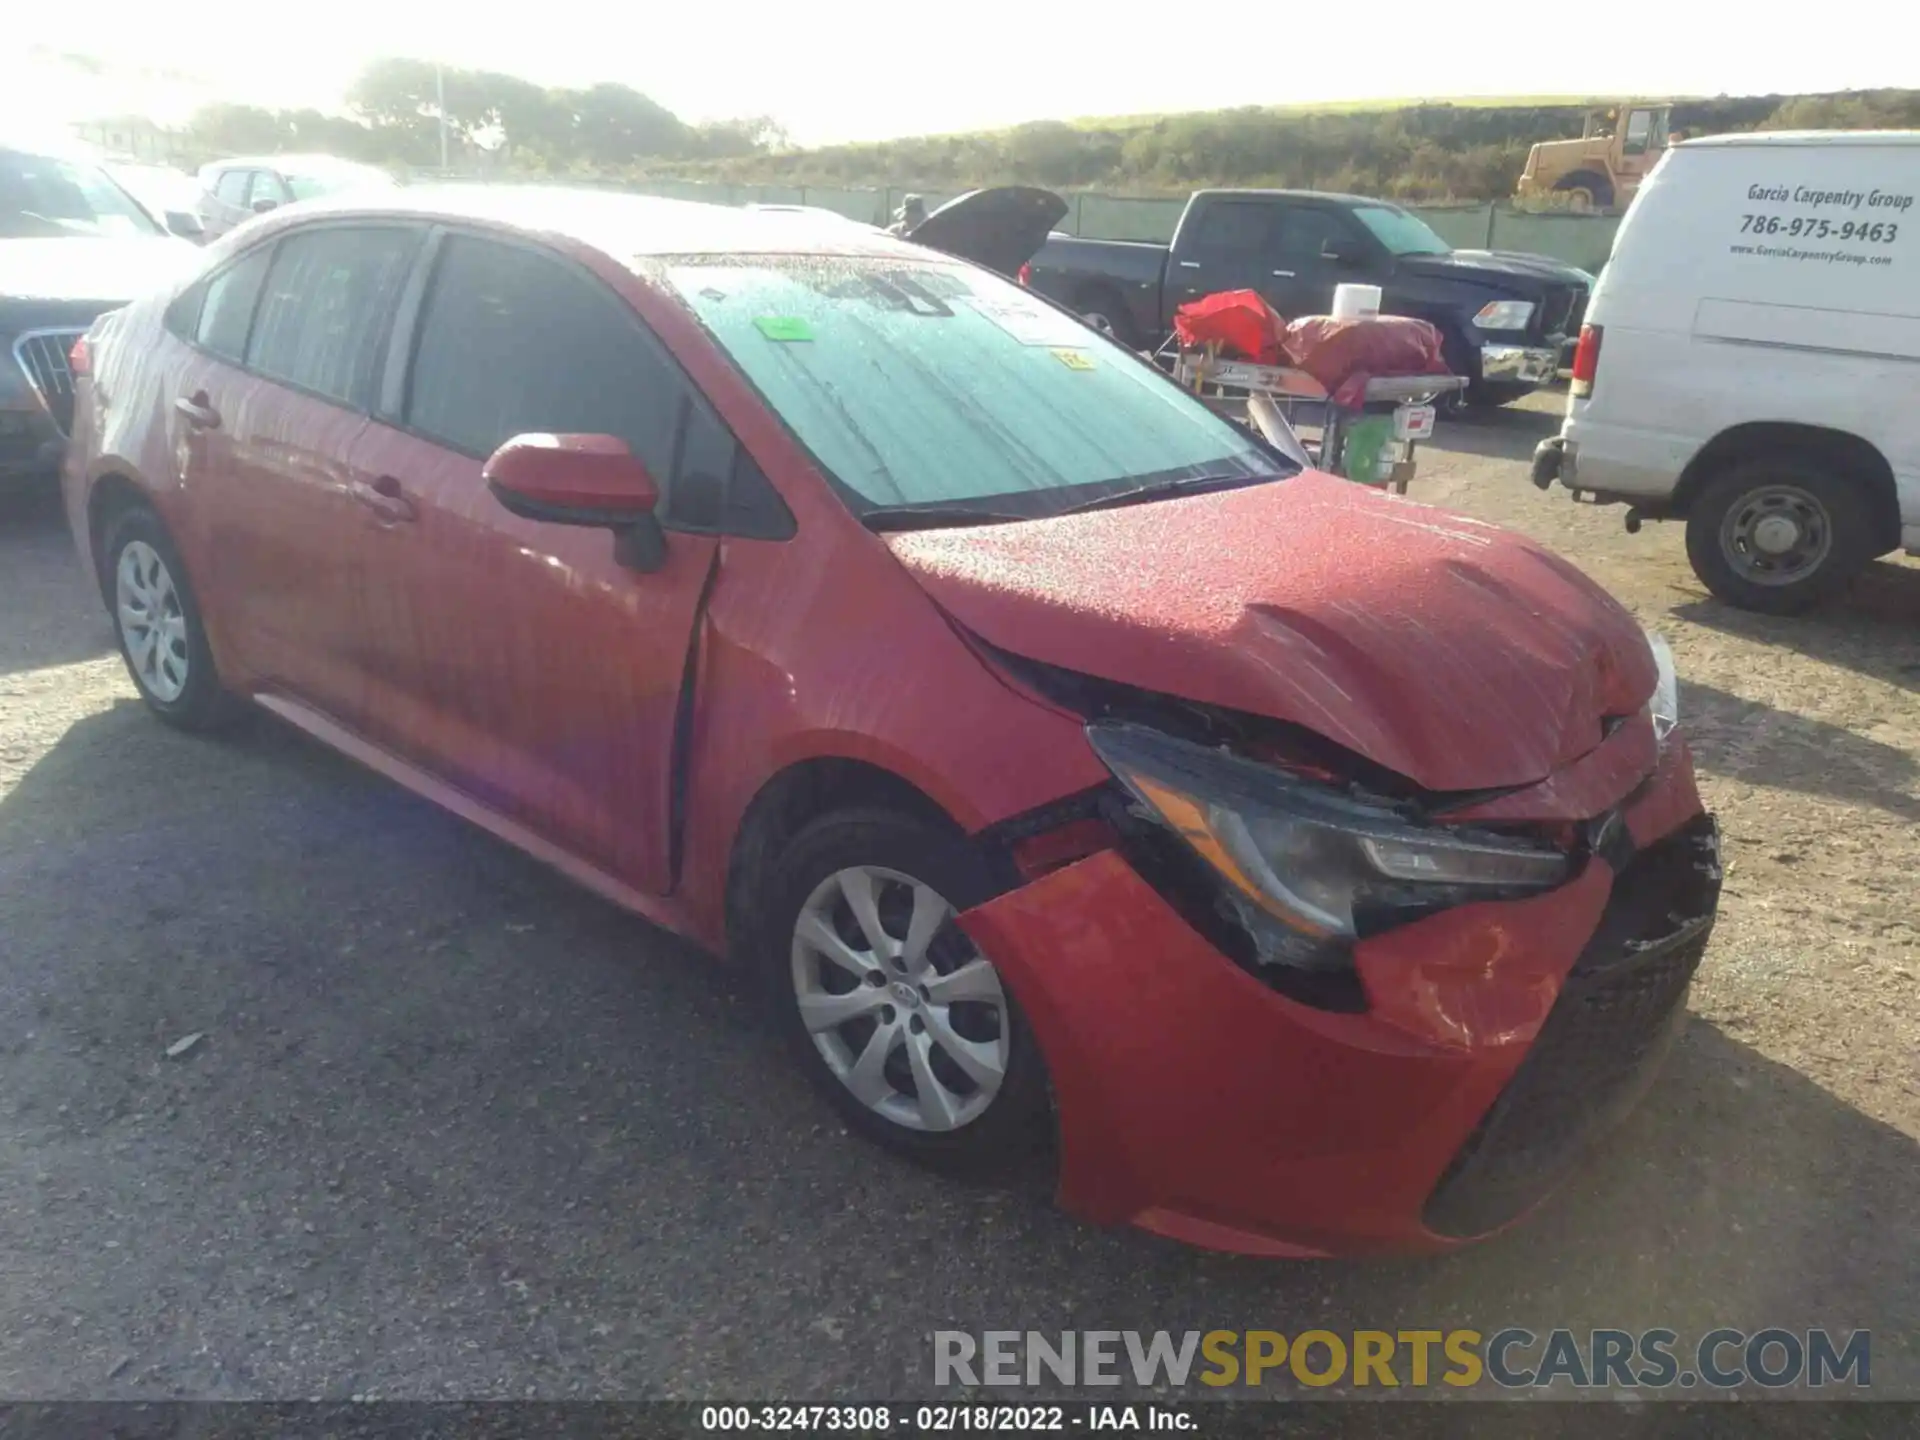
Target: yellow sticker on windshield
point(1073, 359)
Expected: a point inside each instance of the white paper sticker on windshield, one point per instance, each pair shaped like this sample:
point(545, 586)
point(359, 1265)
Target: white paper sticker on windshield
point(1030, 322)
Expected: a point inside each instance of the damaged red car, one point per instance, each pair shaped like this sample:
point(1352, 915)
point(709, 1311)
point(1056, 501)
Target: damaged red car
point(1306, 870)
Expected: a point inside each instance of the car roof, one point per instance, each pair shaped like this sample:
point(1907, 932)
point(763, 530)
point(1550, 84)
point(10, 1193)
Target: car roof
point(1784, 139)
point(626, 226)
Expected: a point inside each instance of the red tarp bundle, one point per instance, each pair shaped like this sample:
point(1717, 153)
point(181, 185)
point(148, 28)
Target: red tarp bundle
point(1341, 354)
point(1335, 352)
point(1239, 321)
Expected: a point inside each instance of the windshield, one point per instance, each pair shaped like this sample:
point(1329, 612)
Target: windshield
point(310, 184)
point(1401, 232)
point(919, 384)
point(45, 198)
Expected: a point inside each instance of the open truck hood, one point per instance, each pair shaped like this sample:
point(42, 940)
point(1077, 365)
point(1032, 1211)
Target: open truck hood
point(1451, 652)
point(1001, 228)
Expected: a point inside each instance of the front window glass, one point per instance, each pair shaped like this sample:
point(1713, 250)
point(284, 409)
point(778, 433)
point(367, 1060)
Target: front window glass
point(45, 198)
point(923, 384)
point(1400, 231)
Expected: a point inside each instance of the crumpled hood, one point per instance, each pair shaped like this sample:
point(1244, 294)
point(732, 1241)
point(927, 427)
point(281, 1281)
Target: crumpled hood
point(1456, 654)
point(115, 270)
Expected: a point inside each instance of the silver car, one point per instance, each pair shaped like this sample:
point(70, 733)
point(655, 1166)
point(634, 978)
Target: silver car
point(236, 189)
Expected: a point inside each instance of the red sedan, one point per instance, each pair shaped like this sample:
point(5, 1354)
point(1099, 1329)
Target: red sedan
point(1313, 870)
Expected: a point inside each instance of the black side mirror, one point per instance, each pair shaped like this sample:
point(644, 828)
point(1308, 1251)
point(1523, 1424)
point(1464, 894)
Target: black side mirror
point(260, 207)
point(185, 224)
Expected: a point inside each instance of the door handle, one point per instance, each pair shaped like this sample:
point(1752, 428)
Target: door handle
point(1284, 274)
point(199, 413)
point(385, 498)
point(1189, 264)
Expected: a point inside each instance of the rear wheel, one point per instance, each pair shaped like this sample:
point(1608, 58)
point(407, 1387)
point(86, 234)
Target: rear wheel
point(157, 621)
point(1779, 535)
point(896, 1015)
point(1102, 311)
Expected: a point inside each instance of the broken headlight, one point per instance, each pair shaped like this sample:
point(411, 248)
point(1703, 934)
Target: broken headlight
point(1664, 705)
point(1304, 868)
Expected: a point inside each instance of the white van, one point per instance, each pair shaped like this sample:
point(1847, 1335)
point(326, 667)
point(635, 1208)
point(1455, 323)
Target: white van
point(1751, 362)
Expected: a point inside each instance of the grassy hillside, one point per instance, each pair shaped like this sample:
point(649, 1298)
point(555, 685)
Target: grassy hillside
point(1427, 151)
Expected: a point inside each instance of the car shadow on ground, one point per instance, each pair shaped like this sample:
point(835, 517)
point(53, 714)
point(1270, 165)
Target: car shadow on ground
point(442, 1092)
point(1501, 433)
point(1873, 629)
point(49, 620)
point(1741, 739)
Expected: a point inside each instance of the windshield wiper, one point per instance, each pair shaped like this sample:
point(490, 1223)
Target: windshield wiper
point(1158, 489)
point(928, 517)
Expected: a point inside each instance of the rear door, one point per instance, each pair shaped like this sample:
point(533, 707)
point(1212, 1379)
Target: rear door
point(517, 660)
point(284, 516)
point(1229, 245)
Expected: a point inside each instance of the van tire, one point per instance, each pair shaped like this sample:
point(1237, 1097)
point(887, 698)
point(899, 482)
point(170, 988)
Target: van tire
point(1831, 523)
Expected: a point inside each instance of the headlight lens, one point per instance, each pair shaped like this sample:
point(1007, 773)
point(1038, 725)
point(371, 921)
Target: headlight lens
point(1305, 868)
point(1504, 315)
point(1664, 706)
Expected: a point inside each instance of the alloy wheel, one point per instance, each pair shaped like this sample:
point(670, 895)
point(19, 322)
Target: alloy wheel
point(904, 1009)
point(152, 624)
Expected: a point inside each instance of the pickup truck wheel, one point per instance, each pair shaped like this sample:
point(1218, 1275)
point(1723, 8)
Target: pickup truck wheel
point(1779, 535)
point(1102, 311)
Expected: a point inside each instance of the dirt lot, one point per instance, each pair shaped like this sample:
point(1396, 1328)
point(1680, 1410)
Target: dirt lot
point(456, 1128)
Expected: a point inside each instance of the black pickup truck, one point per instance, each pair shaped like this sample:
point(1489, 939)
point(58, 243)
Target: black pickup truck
point(1507, 318)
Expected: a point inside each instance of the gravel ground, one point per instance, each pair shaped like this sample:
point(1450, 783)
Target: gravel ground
point(456, 1129)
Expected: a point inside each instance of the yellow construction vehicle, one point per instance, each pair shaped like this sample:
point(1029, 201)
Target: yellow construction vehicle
point(1600, 171)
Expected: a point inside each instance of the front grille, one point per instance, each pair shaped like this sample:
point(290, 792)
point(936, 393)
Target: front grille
point(43, 355)
point(1624, 1000)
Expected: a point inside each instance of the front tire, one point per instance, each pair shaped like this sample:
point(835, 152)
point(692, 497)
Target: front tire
point(1779, 535)
point(893, 1012)
point(157, 622)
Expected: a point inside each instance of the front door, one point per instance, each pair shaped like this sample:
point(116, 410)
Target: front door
point(281, 516)
point(517, 660)
point(1315, 250)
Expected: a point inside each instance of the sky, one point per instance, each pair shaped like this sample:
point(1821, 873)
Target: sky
point(834, 70)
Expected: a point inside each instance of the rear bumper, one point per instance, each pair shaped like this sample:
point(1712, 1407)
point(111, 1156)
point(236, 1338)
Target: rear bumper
point(1195, 1102)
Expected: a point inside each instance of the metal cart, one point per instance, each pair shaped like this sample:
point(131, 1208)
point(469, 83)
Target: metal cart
point(1378, 438)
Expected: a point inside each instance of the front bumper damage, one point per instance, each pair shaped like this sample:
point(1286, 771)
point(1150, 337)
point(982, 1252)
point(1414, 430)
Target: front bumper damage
point(1499, 1039)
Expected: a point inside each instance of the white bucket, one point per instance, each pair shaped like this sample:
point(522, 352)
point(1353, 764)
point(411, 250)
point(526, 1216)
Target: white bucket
point(1356, 302)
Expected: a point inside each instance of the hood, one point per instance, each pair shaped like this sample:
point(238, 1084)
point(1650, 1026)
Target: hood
point(114, 270)
point(1449, 651)
point(1001, 228)
point(1501, 264)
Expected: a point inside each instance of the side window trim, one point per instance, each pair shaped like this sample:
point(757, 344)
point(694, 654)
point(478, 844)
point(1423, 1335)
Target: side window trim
point(403, 343)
